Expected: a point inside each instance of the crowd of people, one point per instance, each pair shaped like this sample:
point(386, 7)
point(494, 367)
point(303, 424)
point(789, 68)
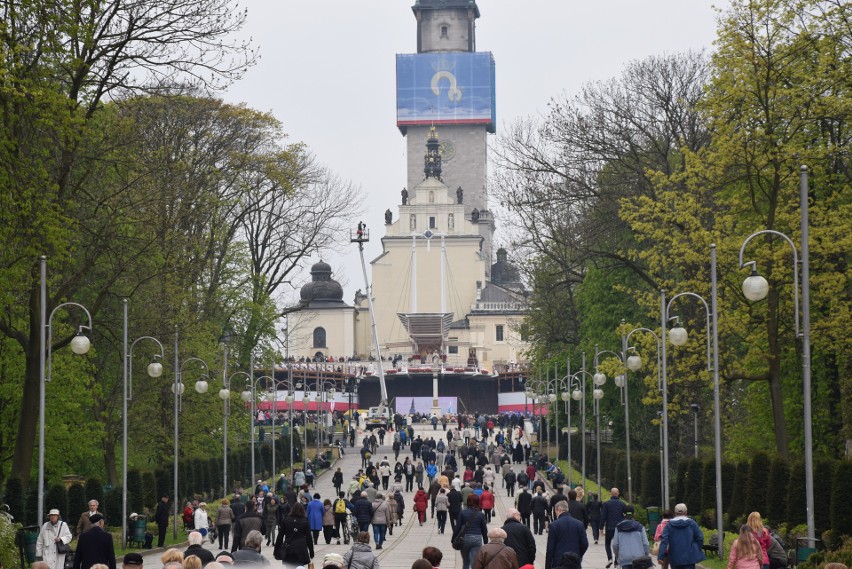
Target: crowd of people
point(455, 478)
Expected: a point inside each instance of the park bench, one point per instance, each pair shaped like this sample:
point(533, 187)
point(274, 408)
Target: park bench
point(712, 546)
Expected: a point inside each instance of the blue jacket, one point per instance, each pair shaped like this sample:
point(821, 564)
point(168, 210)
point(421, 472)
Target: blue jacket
point(681, 542)
point(612, 513)
point(314, 511)
point(630, 542)
point(565, 534)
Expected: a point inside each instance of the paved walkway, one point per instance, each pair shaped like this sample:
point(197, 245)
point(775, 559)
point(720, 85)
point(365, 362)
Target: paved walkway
point(403, 547)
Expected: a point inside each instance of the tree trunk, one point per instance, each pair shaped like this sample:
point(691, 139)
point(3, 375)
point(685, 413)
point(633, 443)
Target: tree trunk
point(25, 443)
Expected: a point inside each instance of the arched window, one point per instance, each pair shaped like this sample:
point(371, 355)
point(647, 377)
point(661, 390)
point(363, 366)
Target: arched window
point(431, 196)
point(444, 31)
point(319, 337)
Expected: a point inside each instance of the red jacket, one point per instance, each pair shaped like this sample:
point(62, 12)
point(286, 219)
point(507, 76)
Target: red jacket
point(421, 500)
point(468, 475)
point(486, 500)
point(531, 472)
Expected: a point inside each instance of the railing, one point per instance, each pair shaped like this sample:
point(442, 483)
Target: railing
point(500, 306)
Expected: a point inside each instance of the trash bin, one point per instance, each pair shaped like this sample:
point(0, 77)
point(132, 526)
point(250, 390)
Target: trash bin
point(26, 540)
point(653, 519)
point(327, 455)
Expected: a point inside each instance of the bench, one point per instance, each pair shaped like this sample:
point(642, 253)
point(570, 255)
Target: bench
point(712, 546)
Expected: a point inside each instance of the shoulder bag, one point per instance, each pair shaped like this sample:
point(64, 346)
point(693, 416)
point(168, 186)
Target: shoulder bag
point(62, 547)
point(458, 542)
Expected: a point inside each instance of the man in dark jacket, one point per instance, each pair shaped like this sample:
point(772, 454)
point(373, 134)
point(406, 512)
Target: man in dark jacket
point(363, 511)
point(524, 504)
point(555, 499)
point(161, 518)
point(539, 507)
point(565, 534)
point(577, 509)
point(612, 512)
point(94, 546)
point(509, 480)
point(237, 506)
point(519, 537)
point(196, 548)
point(454, 506)
point(681, 542)
point(249, 521)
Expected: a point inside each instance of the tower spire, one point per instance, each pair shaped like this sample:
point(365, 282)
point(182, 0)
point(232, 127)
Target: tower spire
point(432, 159)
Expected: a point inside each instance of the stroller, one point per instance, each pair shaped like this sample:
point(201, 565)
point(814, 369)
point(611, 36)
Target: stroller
point(209, 532)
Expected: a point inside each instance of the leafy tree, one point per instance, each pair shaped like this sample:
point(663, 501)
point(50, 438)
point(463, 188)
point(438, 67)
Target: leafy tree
point(680, 489)
point(112, 507)
point(94, 490)
point(736, 508)
point(135, 491)
point(708, 488)
point(149, 491)
point(841, 515)
point(776, 490)
point(694, 473)
point(651, 477)
point(824, 471)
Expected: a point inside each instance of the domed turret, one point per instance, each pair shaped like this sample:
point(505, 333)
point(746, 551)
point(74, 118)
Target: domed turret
point(322, 289)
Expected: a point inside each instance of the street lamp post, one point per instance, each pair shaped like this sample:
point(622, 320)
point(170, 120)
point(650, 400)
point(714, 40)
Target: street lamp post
point(249, 395)
point(305, 403)
point(599, 379)
point(634, 363)
point(695, 409)
point(225, 396)
point(155, 369)
point(755, 288)
point(177, 389)
point(79, 345)
point(579, 394)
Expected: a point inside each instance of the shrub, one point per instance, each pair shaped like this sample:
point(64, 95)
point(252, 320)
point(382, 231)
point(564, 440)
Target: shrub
point(57, 497)
point(692, 486)
point(737, 506)
point(76, 502)
point(680, 483)
point(708, 493)
point(135, 492)
point(841, 513)
point(796, 495)
point(8, 528)
point(758, 474)
point(149, 491)
point(111, 507)
point(779, 477)
point(94, 490)
point(824, 477)
point(651, 476)
point(15, 498)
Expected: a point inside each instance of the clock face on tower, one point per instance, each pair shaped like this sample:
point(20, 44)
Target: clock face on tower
point(447, 150)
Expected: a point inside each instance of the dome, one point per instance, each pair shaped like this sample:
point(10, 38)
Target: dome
point(503, 272)
point(322, 288)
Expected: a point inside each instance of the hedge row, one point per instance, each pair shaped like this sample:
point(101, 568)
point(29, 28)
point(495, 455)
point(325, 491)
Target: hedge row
point(198, 476)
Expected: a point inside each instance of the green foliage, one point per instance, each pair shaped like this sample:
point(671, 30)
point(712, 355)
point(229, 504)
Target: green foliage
point(694, 472)
point(651, 478)
point(796, 495)
point(164, 482)
point(737, 507)
point(76, 501)
point(57, 497)
point(135, 491)
point(708, 491)
point(729, 475)
point(841, 513)
point(112, 507)
point(31, 511)
point(756, 486)
point(13, 495)
point(779, 478)
point(94, 490)
point(149, 491)
point(824, 471)
point(9, 558)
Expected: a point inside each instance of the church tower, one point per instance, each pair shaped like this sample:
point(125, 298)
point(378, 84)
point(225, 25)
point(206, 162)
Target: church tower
point(448, 84)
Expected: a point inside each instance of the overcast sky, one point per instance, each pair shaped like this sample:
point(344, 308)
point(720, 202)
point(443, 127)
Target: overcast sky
point(327, 72)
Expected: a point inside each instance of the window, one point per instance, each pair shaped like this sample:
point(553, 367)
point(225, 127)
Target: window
point(451, 221)
point(412, 222)
point(453, 349)
point(444, 30)
point(319, 337)
point(499, 332)
point(431, 223)
point(431, 197)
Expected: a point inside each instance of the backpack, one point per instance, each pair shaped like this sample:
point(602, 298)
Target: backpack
point(339, 507)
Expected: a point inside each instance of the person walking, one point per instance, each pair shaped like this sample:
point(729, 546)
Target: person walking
point(249, 521)
point(270, 518)
point(454, 506)
point(509, 480)
point(161, 518)
point(224, 520)
point(327, 521)
point(85, 522)
point(94, 545)
point(249, 554)
point(393, 513)
point(681, 541)
point(380, 519)
point(630, 541)
point(519, 538)
point(360, 555)
point(593, 509)
point(658, 536)
point(340, 506)
point(524, 504)
point(421, 503)
point(577, 509)
point(337, 481)
point(612, 512)
point(486, 502)
point(294, 545)
point(746, 551)
point(442, 506)
point(471, 524)
point(201, 519)
point(54, 533)
point(761, 534)
point(496, 554)
point(539, 507)
point(565, 534)
point(314, 512)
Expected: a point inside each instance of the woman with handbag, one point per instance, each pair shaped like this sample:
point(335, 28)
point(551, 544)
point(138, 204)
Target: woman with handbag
point(471, 531)
point(294, 545)
point(52, 544)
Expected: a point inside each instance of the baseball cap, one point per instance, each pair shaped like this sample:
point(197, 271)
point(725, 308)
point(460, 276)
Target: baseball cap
point(680, 509)
point(133, 559)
